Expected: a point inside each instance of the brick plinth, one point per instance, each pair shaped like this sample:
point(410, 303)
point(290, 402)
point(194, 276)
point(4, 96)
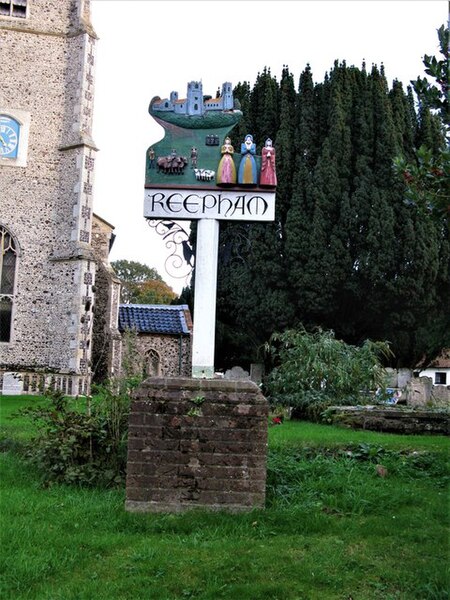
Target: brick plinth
point(196, 443)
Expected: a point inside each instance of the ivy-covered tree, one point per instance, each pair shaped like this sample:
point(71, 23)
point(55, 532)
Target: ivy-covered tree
point(427, 176)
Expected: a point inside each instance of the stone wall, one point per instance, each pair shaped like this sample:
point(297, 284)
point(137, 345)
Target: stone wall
point(173, 354)
point(47, 66)
point(197, 443)
point(390, 419)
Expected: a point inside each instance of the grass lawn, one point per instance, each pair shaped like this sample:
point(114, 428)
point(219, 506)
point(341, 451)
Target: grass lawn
point(333, 527)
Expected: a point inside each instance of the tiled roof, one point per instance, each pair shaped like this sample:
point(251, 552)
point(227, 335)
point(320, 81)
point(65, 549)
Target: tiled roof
point(155, 318)
point(440, 362)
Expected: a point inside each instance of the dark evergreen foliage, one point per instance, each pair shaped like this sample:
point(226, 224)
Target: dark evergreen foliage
point(345, 252)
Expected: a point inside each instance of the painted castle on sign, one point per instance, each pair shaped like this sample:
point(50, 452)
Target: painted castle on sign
point(194, 103)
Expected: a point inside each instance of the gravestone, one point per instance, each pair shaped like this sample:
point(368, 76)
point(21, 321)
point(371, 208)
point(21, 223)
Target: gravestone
point(237, 373)
point(391, 377)
point(12, 384)
point(257, 372)
point(418, 391)
point(404, 377)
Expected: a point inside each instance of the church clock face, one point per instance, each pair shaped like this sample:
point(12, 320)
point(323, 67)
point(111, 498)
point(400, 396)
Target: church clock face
point(9, 137)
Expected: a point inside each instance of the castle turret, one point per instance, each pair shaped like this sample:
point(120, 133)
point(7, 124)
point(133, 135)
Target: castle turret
point(227, 96)
point(195, 98)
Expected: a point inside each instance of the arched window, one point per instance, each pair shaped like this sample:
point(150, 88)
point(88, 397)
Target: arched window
point(152, 364)
point(8, 261)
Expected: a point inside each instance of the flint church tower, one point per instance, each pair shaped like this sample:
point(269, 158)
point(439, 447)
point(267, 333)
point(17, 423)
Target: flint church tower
point(47, 161)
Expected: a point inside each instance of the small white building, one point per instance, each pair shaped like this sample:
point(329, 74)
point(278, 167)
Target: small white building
point(439, 369)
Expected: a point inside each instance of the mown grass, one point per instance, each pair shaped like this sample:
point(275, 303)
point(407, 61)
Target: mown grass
point(332, 529)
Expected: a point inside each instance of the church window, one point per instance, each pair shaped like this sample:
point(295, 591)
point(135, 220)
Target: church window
point(8, 260)
point(152, 364)
point(13, 8)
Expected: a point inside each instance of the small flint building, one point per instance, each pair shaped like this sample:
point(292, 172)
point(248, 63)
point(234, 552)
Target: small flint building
point(157, 338)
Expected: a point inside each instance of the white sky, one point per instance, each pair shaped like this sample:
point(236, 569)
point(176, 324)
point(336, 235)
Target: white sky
point(150, 47)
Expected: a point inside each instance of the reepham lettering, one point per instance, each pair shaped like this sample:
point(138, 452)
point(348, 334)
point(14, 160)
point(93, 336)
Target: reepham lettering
point(184, 204)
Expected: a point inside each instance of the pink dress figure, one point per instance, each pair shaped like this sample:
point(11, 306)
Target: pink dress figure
point(226, 171)
point(268, 171)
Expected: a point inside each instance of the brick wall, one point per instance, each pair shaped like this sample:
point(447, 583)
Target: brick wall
point(197, 443)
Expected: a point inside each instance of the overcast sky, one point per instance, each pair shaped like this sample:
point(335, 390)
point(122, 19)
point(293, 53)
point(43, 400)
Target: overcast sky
point(148, 48)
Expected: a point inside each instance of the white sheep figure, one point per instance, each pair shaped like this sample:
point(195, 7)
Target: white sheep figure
point(204, 174)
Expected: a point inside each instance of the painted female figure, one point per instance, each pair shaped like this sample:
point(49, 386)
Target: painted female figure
point(247, 167)
point(226, 171)
point(268, 171)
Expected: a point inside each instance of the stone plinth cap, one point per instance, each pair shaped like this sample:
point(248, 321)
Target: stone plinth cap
point(202, 385)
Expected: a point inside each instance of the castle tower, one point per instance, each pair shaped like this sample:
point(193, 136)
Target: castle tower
point(227, 96)
point(47, 159)
point(195, 98)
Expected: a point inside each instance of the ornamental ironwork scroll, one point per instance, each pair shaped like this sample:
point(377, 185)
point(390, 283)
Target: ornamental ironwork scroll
point(180, 262)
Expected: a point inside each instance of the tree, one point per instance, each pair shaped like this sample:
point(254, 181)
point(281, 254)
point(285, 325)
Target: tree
point(153, 292)
point(264, 117)
point(141, 284)
point(252, 292)
point(427, 178)
point(345, 252)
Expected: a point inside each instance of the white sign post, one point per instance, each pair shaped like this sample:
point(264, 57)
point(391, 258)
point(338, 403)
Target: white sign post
point(205, 292)
point(208, 206)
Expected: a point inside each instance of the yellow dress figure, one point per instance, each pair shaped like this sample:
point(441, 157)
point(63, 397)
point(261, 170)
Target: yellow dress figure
point(247, 167)
point(226, 171)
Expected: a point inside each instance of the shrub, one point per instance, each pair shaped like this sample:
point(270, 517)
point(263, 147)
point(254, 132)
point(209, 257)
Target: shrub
point(315, 370)
point(85, 446)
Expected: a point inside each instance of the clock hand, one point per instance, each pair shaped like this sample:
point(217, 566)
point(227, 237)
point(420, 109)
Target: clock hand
point(2, 140)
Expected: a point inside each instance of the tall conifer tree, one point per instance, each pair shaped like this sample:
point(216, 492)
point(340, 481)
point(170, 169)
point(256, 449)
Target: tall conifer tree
point(345, 251)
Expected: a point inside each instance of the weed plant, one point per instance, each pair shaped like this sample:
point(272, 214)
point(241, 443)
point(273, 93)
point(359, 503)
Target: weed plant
point(82, 445)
